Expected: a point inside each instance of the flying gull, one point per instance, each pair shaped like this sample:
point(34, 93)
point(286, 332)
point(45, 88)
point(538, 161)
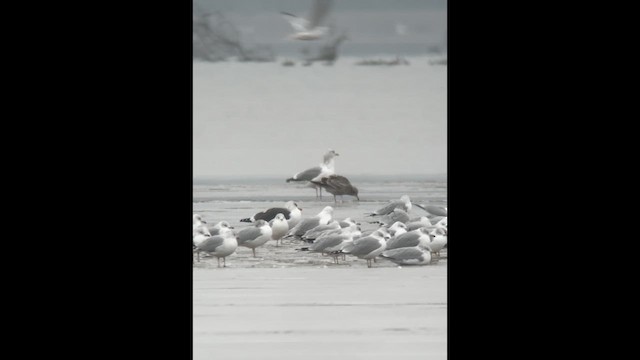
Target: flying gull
point(309, 29)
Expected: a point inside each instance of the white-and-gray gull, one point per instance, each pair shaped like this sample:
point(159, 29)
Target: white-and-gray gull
point(404, 203)
point(397, 228)
point(415, 255)
point(433, 209)
point(410, 238)
point(254, 236)
point(200, 234)
point(368, 247)
point(310, 29)
point(323, 218)
point(279, 227)
point(317, 231)
point(197, 222)
point(396, 215)
point(332, 244)
point(414, 224)
point(326, 168)
point(219, 246)
point(215, 229)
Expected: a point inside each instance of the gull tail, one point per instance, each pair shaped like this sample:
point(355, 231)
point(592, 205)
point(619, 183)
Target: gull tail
point(246, 220)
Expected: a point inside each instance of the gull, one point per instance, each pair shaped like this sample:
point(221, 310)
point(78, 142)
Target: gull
point(279, 227)
point(215, 229)
point(323, 218)
point(219, 246)
point(404, 203)
point(398, 228)
point(337, 185)
point(309, 29)
point(439, 240)
point(254, 236)
point(317, 231)
point(410, 238)
point(197, 222)
point(368, 247)
point(316, 173)
point(423, 221)
point(332, 244)
point(415, 255)
point(348, 222)
point(200, 234)
point(291, 212)
point(433, 209)
point(394, 216)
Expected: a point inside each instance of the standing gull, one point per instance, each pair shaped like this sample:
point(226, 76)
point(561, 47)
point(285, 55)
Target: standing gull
point(219, 246)
point(368, 247)
point(337, 185)
point(279, 227)
point(309, 29)
point(332, 244)
point(439, 240)
point(327, 168)
point(254, 236)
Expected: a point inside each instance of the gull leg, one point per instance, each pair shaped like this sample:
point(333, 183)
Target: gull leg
point(198, 255)
point(254, 251)
point(218, 262)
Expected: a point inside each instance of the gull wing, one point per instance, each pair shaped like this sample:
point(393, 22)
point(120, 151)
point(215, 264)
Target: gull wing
point(297, 23)
point(248, 234)
point(210, 244)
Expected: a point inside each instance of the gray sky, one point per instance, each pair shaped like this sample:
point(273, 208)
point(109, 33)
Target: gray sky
point(412, 25)
point(268, 120)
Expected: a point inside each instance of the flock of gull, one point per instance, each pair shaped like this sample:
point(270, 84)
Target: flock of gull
point(400, 238)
